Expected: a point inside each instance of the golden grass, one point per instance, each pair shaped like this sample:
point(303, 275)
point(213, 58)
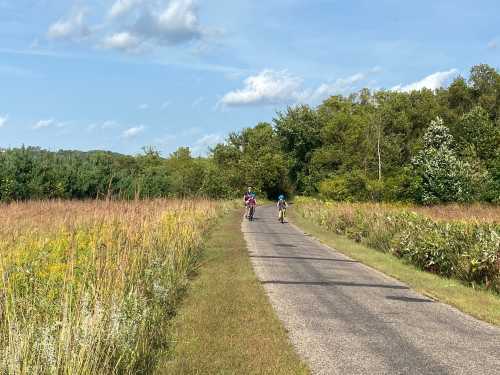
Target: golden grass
point(86, 285)
point(464, 212)
point(477, 212)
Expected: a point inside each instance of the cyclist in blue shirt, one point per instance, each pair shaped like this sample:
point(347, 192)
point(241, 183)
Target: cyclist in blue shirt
point(281, 205)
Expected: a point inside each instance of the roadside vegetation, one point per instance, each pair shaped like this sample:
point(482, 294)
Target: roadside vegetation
point(226, 324)
point(467, 249)
point(443, 253)
point(86, 287)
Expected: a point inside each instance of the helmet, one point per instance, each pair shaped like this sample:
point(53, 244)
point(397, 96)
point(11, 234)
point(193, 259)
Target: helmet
point(281, 197)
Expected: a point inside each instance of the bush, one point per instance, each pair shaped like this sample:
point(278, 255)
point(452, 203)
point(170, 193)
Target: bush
point(350, 187)
point(335, 189)
point(399, 188)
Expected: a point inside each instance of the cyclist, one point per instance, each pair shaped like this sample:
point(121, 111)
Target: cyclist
point(281, 205)
point(246, 197)
point(251, 204)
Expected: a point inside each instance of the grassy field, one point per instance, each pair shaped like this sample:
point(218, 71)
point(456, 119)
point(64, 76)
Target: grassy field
point(86, 287)
point(472, 298)
point(226, 324)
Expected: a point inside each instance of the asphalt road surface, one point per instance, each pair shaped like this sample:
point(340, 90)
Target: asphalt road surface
point(346, 318)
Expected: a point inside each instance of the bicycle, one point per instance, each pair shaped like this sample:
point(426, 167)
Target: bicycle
point(251, 213)
point(281, 215)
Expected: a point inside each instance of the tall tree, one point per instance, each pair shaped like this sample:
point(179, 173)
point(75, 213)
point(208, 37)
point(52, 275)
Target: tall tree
point(298, 130)
point(485, 85)
point(476, 129)
point(440, 175)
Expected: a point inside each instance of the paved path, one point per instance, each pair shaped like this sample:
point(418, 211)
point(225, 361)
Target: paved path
point(345, 318)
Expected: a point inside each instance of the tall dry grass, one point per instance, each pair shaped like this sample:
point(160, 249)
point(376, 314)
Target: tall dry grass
point(86, 287)
point(479, 212)
point(474, 212)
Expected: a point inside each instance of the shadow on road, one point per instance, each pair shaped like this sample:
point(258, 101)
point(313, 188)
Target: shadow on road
point(408, 299)
point(335, 283)
point(302, 258)
point(276, 233)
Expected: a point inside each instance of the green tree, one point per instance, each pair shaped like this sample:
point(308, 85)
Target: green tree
point(264, 165)
point(476, 129)
point(460, 96)
point(485, 86)
point(440, 175)
point(298, 130)
point(152, 179)
point(187, 173)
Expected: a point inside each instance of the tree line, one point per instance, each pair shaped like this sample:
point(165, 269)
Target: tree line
point(426, 146)
point(33, 173)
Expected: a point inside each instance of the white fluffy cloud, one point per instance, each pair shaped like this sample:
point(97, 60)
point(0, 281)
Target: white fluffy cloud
point(169, 22)
point(133, 132)
point(3, 120)
point(432, 82)
point(42, 124)
point(71, 27)
point(137, 25)
point(267, 87)
point(123, 41)
point(121, 7)
point(271, 87)
point(280, 87)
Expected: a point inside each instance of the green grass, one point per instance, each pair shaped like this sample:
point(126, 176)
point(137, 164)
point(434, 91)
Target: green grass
point(479, 303)
point(226, 324)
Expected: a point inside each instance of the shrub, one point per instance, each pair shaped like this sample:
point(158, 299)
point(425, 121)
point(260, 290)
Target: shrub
point(352, 186)
point(335, 188)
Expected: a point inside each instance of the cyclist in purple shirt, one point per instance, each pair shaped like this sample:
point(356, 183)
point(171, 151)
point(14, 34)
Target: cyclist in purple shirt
point(246, 197)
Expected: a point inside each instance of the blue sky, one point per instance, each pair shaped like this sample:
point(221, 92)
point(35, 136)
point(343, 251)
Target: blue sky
point(123, 74)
